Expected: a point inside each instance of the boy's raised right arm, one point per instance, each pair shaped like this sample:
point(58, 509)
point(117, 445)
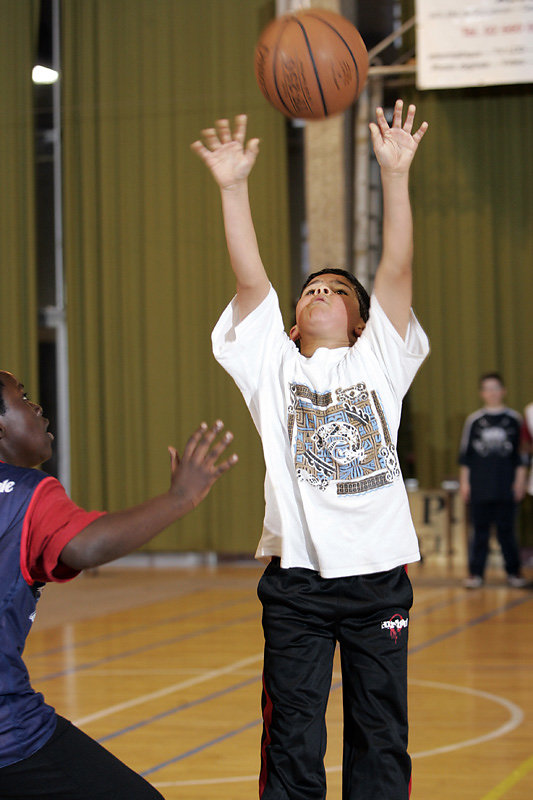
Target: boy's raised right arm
point(230, 162)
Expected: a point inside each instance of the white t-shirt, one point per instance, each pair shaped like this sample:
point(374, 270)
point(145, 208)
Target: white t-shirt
point(335, 499)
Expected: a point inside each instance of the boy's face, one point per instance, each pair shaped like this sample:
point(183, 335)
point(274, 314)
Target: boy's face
point(492, 392)
point(24, 439)
point(328, 308)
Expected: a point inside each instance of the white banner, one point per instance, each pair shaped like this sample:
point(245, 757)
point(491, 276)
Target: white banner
point(478, 43)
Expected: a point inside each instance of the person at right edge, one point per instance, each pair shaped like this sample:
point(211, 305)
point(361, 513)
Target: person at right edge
point(326, 400)
point(493, 475)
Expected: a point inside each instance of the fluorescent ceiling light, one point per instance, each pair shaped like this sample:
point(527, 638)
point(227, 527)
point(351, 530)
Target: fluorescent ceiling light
point(44, 75)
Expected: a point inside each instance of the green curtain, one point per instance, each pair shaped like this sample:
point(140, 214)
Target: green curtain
point(472, 197)
point(146, 265)
point(18, 320)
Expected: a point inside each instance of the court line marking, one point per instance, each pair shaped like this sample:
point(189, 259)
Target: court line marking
point(471, 623)
point(207, 781)
point(516, 718)
point(136, 628)
point(182, 637)
point(253, 659)
point(176, 687)
point(510, 781)
point(182, 707)
point(216, 781)
point(254, 678)
point(422, 610)
point(222, 738)
point(218, 626)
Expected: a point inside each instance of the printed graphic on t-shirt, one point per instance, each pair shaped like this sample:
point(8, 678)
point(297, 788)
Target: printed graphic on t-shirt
point(492, 440)
point(341, 437)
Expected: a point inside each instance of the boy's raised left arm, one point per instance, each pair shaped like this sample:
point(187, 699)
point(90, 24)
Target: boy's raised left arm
point(395, 147)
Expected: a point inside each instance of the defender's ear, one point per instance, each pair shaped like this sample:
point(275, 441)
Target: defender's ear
point(294, 333)
point(2, 429)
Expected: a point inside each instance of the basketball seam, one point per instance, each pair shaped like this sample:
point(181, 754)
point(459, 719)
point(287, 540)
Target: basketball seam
point(274, 72)
point(324, 106)
point(341, 37)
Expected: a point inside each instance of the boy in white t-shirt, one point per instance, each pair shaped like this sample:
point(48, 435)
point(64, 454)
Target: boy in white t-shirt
point(326, 401)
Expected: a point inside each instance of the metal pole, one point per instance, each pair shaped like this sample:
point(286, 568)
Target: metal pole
point(59, 320)
point(361, 190)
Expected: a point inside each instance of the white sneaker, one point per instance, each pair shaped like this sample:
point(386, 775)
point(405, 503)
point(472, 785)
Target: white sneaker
point(516, 582)
point(473, 582)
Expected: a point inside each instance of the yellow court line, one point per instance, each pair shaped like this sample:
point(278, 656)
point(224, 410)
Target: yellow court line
point(512, 779)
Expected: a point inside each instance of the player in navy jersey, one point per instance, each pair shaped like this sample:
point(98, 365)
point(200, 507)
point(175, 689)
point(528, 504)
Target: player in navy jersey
point(45, 537)
point(493, 480)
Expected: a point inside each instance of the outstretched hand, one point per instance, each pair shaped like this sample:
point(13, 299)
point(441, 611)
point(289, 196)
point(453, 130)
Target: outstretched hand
point(225, 154)
point(395, 145)
point(193, 475)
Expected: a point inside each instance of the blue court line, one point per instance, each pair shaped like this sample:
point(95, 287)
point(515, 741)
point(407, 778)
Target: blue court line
point(470, 624)
point(453, 632)
point(436, 606)
point(183, 707)
point(229, 735)
point(144, 649)
point(224, 737)
point(236, 687)
point(136, 628)
point(227, 690)
point(180, 618)
point(204, 746)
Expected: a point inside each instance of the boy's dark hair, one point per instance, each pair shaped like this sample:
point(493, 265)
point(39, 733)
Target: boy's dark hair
point(495, 376)
point(361, 292)
point(2, 404)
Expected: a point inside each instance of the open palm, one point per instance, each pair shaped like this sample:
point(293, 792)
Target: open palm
point(225, 154)
point(396, 145)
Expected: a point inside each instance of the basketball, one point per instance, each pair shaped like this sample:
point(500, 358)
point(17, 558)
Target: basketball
point(311, 64)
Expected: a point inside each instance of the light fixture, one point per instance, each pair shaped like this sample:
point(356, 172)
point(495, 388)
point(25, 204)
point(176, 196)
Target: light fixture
point(43, 75)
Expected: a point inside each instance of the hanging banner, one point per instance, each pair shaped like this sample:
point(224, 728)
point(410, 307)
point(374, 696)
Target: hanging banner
point(478, 43)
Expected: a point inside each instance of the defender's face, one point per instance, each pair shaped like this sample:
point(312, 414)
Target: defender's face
point(24, 439)
point(329, 304)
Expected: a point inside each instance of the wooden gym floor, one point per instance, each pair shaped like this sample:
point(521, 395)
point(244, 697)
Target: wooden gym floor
point(163, 666)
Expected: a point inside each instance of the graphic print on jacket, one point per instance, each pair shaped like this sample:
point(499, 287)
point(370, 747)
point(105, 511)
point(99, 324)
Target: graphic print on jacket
point(341, 437)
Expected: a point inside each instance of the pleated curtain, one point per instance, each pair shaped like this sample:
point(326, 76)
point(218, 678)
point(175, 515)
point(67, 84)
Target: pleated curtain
point(147, 272)
point(18, 291)
point(146, 264)
point(472, 195)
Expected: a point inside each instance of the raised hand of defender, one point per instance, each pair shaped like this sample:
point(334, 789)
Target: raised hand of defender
point(225, 153)
point(396, 145)
point(193, 475)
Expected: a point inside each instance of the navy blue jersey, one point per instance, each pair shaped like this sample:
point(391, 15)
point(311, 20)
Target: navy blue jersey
point(490, 447)
point(26, 721)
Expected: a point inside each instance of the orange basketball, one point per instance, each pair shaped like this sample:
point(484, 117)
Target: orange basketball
point(311, 63)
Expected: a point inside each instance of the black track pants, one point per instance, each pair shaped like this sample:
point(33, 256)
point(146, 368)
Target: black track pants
point(72, 766)
point(304, 616)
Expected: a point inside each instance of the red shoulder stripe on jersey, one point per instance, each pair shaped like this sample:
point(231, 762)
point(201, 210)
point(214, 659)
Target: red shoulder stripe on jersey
point(25, 532)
